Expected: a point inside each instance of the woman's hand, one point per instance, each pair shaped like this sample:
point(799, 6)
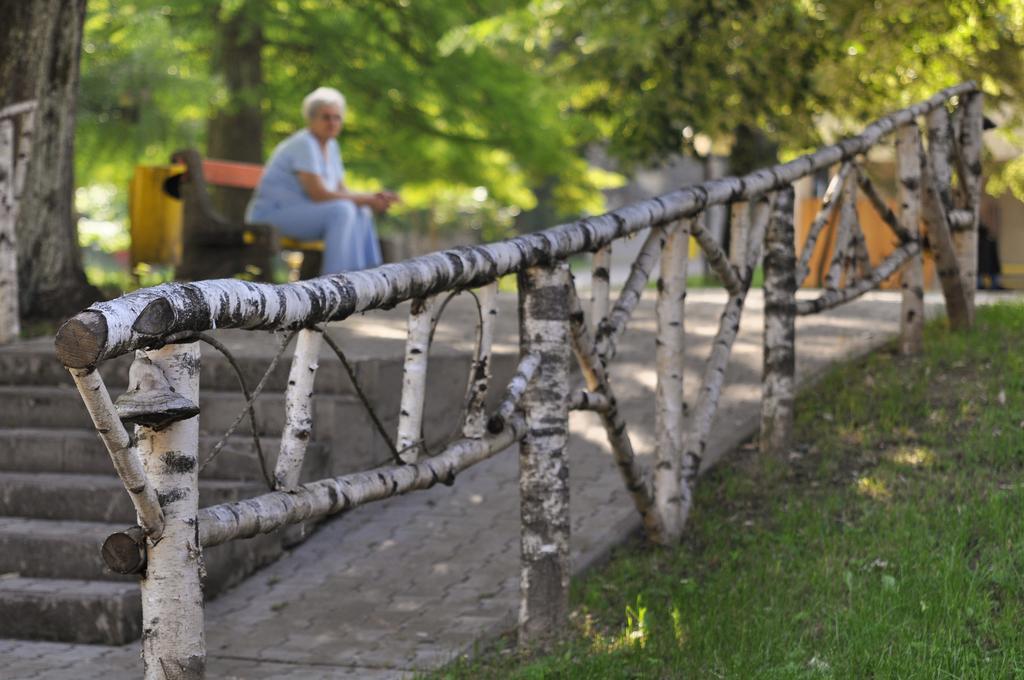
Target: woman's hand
point(382, 201)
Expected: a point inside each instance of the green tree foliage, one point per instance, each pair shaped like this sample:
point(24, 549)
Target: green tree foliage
point(504, 94)
point(438, 124)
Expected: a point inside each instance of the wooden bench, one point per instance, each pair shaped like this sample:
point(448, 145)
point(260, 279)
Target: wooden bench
point(216, 247)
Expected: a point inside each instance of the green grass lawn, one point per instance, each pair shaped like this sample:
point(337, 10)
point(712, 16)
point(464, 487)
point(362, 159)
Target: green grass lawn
point(889, 544)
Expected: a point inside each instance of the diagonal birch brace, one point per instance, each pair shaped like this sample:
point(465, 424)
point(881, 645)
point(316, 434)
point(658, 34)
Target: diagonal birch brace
point(123, 453)
point(480, 372)
point(829, 201)
point(422, 315)
point(612, 327)
point(698, 426)
point(543, 464)
point(778, 388)
point(716, 257)
point(514, 393)
point(636, 478)
point(298, 410)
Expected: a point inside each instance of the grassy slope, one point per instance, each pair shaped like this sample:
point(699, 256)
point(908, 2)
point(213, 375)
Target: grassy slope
point(889, 544)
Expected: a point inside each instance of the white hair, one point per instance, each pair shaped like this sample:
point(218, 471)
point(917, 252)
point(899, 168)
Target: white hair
point(322, 96)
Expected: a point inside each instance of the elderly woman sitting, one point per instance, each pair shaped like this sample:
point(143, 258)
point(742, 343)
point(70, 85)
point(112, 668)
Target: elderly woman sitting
point(303, 194)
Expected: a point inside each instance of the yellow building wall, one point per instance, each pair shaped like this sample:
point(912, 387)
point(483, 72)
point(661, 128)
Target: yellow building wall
point(880, 240)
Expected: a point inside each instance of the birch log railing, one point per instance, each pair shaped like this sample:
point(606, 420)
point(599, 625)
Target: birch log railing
point(17, 122)
point(162, 323)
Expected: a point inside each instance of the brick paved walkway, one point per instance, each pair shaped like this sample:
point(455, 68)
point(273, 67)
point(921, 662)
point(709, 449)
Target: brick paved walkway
point(411, 582)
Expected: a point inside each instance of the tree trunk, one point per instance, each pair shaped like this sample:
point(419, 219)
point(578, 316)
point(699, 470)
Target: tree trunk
point(39, 52)
point(235, 131)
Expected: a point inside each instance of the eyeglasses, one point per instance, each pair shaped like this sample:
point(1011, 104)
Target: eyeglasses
point(330, 116)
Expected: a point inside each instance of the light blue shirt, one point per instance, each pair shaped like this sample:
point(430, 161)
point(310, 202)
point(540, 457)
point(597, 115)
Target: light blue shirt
point(279, 186)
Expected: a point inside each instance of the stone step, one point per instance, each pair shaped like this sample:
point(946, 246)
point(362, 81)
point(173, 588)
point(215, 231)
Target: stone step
point(66, 610)
point(66, 549)
point(93, 498)
point(27, 449)
point(62, 407)
point(34, 363)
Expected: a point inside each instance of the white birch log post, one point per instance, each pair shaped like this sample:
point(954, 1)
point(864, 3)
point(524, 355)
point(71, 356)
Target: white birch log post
point(173, 640)
point(669, 407)
point(778, 382)
point(966, 240)
point(739, 221)
point(422, 315)
point(636, 478)
point(936, 206)
point(136, 320)
point(124, 456)
point(832, 197)
point(480, 372)
point(543, 467)
point(908, 162)
point(298, 410)
point(600, 284)
point(10, 325)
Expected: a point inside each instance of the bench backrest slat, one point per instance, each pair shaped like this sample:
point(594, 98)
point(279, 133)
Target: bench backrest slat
point(232, 173)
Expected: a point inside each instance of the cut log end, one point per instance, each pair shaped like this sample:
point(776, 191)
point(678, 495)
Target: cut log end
point(125, 551)
point(81, 340)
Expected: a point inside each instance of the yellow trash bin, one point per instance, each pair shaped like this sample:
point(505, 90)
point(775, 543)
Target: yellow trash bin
point(155, 218)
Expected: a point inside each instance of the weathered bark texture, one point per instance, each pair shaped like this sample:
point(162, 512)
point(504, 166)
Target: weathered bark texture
point(966, 239)
point(480, 373)
point(123, 454)
point(40, 42)
point(669, 407)
point(298, 410)
point(422, 315)
point(173, 640)
point(828, 205)
point(136, 320)
point(543, 465)
point(600, 283)
point(636, 478)
point(778, 386)
point(937, 203)
point(908, 161)
point(525, 371)
point(263, 514)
